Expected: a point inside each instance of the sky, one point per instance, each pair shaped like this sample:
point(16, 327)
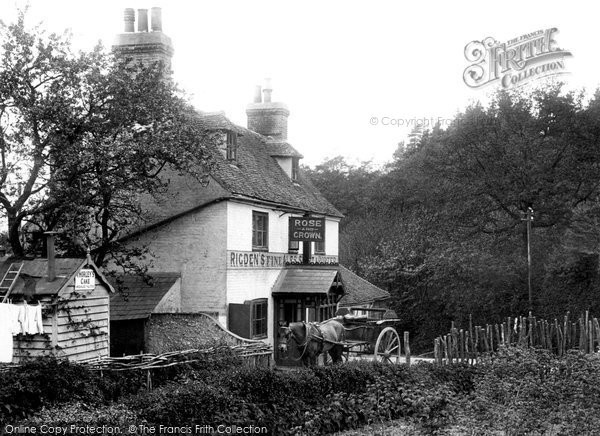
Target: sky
point(356, 76)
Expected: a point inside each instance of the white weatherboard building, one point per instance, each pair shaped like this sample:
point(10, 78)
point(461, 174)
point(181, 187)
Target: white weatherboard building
point(226, 246)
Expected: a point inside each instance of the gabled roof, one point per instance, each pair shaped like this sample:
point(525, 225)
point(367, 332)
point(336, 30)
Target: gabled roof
point(256, 175)
point(358, 290)
point(281, 149)
point(139, 298)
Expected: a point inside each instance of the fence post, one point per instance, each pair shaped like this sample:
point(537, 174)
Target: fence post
point(407, 348)
point(597, 329)
point(590, 337)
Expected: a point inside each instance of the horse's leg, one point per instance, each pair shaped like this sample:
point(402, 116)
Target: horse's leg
point(335, 354)
point(306, 361)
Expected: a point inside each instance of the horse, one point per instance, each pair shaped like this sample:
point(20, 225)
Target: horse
point(313, 339)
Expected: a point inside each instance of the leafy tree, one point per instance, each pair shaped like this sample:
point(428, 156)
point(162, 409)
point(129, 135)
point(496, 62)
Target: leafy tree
point(536, 150)
point(83, 136)
point(349, 187)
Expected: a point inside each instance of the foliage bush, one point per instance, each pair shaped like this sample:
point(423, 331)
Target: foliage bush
point(47, 382)
point(515, 391)
point(308, 401)
point(82, 414)
point(529, 391)
point(41, 382)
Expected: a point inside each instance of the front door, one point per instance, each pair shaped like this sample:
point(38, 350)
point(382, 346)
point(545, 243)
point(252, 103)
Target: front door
point(290, 310)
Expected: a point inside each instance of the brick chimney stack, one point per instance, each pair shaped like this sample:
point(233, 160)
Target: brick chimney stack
point(144, 46)
point(267, 117)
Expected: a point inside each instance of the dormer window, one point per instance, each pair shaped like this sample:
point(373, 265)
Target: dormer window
point(231, 145)
point(295, 168)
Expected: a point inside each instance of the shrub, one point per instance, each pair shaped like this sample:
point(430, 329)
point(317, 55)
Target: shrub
point(306, 401)
point(534, 391)
point(44, 381)
point(191, 403)
point(81, 414)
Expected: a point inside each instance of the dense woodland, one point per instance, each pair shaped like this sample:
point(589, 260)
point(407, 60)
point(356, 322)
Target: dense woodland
point(442, 225)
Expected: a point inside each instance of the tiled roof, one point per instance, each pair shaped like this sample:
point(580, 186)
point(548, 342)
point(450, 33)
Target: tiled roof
point(217, 121)
point(256, 175)
point(304, 281)
point(138, 299)
point(358, 290)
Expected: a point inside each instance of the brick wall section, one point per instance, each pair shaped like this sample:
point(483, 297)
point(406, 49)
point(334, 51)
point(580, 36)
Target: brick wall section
point(147, 47)
point(195, 246)
point(268, 119)
point(173, 332)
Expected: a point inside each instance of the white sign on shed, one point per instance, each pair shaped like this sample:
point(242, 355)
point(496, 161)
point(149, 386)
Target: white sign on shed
point(85, 280)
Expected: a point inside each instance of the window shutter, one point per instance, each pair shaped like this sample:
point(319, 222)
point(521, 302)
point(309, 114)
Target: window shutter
point(239, 319)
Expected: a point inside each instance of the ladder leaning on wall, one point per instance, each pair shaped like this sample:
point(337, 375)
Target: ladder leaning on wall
point(9, 280)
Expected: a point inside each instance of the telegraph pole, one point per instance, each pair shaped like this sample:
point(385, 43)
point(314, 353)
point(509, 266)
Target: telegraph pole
point(529, 218)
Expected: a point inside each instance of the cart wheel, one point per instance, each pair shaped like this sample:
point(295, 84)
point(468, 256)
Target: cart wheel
point(387, 347)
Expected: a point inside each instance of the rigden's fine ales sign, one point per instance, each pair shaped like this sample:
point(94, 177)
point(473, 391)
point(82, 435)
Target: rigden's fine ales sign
point(307, 229)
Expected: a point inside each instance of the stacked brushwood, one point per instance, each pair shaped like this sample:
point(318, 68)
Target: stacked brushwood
point(253, 353)
point(466, 345)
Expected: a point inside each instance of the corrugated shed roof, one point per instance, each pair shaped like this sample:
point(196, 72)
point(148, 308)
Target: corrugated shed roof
point(138, 299)
point(257, 175)
point(304, 281)
point(358, 290)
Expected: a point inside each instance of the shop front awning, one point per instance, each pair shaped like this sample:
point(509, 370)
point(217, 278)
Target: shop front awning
point(306, 281)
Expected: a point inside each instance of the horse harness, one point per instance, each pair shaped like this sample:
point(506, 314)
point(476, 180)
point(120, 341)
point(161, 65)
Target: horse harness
point(319, 338)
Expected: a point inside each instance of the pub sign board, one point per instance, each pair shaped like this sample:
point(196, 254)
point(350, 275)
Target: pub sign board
point(307, 229)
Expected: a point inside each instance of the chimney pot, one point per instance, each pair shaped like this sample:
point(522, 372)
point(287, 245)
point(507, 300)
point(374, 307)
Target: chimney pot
point(51, 255)
point(267, 91)
point(129, 19)
point(142, 20)
point(156, 15)
point(258, 94)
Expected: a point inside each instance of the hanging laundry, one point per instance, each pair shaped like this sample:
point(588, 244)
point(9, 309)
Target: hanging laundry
point(39, 326)
point(6, 335)
point(15, 323)
point(23, 318)
point(30, 318)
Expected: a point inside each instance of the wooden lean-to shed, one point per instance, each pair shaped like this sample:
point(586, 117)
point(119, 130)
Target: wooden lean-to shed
point(74, 298)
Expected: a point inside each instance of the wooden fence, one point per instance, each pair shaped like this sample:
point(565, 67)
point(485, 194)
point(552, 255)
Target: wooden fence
point(466, 345)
